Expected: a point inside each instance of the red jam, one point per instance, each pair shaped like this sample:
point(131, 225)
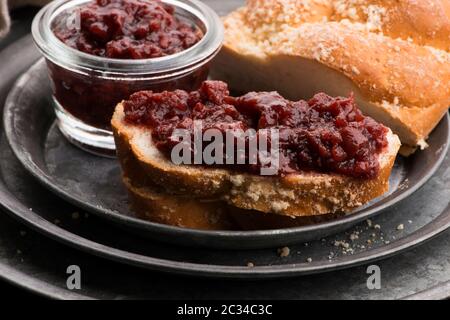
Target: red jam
point(128, 29)
point(93, 100)
point(324, 134)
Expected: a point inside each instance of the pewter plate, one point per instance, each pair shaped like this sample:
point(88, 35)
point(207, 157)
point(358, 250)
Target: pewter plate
point(405, 274)
point(424, 216)
point(94, 183)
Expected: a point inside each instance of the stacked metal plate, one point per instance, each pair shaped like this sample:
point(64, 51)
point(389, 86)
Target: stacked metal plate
point(70, 209)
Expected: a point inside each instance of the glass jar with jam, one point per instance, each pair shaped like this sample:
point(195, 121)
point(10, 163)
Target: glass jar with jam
point(99, 52)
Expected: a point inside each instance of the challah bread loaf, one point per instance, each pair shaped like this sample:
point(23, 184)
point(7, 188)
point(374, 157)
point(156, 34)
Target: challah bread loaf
point(394, 55)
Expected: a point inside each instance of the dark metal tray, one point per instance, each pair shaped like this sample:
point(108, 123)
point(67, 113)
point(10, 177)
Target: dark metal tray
point(94, 183)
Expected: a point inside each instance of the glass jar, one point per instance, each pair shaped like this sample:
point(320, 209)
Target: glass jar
point(86, 88)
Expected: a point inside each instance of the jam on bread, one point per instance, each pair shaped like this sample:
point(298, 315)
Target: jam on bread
point(324, 134)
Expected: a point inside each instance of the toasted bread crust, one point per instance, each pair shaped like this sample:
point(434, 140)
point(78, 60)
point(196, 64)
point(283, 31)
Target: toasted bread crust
point(398, 67)
point(294, 195)
point(179, 211)
point(149, 203)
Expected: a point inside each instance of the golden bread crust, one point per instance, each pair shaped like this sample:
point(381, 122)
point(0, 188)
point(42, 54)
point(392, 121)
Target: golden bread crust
point(150, 204)
point(184, 212)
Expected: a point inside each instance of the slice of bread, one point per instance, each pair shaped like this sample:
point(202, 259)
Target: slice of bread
point(150, 203)
point(300, 195)
point(393, 55)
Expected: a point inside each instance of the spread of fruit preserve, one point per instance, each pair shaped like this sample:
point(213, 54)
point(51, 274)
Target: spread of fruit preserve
point(324, 134)
point(127, 29)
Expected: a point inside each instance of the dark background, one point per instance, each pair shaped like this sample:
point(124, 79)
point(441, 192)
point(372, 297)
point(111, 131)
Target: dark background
point(26, 15)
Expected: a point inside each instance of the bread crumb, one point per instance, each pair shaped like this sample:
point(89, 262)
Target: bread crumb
point(250, 265)
point(354, 236)
point(369, 223)
point(400, 227)
point(284, 252)
point(309, 260)
point(342, 244)
point(345, 246)
point(422, 144)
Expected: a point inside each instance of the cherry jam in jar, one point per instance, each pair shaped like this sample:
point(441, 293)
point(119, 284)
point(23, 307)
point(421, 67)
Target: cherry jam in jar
point(99, 52)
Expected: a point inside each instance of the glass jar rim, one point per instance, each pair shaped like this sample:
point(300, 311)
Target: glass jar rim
point(61, 54)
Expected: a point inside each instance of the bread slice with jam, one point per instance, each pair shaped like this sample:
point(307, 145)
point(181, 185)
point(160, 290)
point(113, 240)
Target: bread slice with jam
point(301, 194)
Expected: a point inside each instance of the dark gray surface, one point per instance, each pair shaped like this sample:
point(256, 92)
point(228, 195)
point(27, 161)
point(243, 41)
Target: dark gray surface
point(94, 183)
point(438, 292)
point(42, 263)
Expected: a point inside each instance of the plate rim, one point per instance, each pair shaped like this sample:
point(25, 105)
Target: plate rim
point(37, 286)
point(46, 180)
